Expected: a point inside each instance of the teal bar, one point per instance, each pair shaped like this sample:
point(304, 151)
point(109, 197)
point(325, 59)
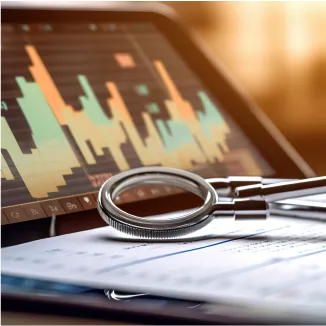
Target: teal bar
point(38, 113)
point(179, 135)
point(211, 115)
point(91, 105)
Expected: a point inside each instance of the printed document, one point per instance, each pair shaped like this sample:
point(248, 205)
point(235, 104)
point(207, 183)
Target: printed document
point(278, 261)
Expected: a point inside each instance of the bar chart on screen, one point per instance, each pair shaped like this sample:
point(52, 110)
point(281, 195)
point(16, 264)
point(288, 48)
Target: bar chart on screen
point(74, 119)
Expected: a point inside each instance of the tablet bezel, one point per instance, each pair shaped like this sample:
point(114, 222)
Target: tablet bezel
point(276, 150)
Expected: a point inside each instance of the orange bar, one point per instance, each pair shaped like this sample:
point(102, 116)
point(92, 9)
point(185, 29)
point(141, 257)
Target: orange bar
point(46, 83)
point(185, 108)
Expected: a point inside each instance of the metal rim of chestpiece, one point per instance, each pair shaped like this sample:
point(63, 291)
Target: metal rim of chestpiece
point(156, 227)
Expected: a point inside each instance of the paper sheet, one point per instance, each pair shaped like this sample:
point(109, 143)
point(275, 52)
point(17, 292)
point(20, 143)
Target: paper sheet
point(277, 261)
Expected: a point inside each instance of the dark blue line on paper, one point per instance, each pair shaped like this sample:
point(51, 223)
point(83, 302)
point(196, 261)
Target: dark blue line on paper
point(145, 260)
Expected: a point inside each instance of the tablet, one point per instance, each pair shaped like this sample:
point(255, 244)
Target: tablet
point(89, 92)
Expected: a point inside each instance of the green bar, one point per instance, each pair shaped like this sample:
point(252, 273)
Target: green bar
point(153, 108)
point(38, 113)
point(211, 116)
point(4, 106)
point(179, 135)
point(142, 89)
point(91, 105)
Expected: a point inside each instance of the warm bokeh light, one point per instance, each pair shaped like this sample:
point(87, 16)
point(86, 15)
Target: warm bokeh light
point(276, 51)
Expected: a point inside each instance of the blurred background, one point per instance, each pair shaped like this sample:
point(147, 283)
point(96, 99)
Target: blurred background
point(276, 51)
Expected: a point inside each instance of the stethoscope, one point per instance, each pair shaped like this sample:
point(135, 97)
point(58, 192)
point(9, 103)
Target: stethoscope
point(252, 198)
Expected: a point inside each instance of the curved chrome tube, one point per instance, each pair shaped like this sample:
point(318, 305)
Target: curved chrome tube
point(227, 186)
point(283, 190)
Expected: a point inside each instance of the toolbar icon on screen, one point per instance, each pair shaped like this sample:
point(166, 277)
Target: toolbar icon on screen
point(87, 201)
point(47, 28)
point(92, 27)
point(25, 28)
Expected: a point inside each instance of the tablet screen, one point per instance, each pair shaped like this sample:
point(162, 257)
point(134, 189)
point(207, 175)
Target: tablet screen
point(82, 102)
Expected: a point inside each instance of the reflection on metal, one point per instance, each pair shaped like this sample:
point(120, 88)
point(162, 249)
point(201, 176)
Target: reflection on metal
point(123, 296)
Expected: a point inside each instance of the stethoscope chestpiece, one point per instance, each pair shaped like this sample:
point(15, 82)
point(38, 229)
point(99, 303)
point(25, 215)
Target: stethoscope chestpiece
point(156, 227)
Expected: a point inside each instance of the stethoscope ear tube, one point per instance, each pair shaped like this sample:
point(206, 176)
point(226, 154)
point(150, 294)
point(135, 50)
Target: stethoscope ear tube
point(300, 209)
point(226, 187)
point(283, 190)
